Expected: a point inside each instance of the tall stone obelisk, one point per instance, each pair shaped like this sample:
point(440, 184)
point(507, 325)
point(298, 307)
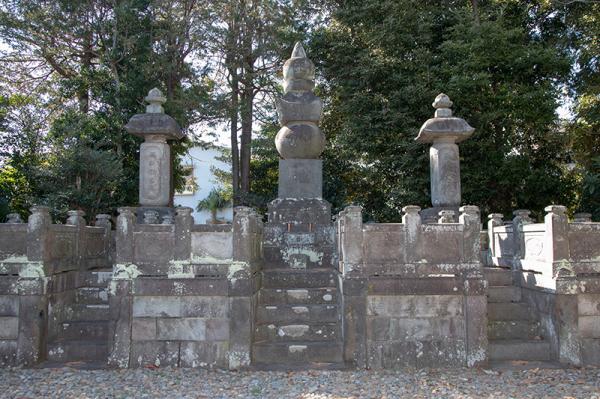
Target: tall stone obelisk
point(444, 131)
point(300, 142)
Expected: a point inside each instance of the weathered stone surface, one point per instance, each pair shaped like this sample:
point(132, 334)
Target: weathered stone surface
point(157, 353)
point(184, 329)
point(203, 354)
point(143, 329)
point(415, 305)
point(212, 245)
point(9, 328)
point(201, 306)
point(300, 178)
point(156, 306)
point(9, 304)
point(8, 353)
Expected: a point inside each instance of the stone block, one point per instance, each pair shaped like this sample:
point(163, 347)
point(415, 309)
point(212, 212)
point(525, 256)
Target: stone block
point(157, 353)
point(212, 245)
point(8, 353)
point(204, 354)
point(156, 306)
point(204, 306)
point(440, 353)
point(119, 332)
point(9, 328)
point(378, 328)
point(217, 329)
point(588, 304)
point(398, 355)
point(589, 326)
point(186, 329)
point(476, 330)
point(240, 332)
point(590, 351)
point(427, 329)
point(300, 178)
point(415, 305)
point(9, 305)
point(143, 329)
point(180, 287)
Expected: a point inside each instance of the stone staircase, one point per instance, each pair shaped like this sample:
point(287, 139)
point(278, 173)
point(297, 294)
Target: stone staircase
point(298, 321)
point(513, 331)
point(83, 336)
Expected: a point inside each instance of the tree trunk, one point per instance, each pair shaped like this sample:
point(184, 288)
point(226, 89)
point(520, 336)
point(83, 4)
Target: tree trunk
point(475, 7)
point(213, 215)
point(247, 100)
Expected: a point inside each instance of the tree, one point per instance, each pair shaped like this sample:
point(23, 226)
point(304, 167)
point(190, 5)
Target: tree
point(214, 201)
point(384, 62)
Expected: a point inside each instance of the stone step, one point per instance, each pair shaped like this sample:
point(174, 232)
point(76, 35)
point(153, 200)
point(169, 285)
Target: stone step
point(86, 330)
point(508, 311)
point(84, 350)
point(508, 293)
point(515, 329)
point(519, 350)
point(297, 332)
point(298, 352)
point(296, 314)
point(497, 276)
point(91, 295)
point(276, 296)
point(287, 278)
point(89, 312)
point(94, 278)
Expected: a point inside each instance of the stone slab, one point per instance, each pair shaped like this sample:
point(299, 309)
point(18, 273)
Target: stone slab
point(300, 178)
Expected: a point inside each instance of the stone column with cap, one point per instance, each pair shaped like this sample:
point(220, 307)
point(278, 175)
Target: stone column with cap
point(155, 156)
point(300, 142)
point(444, 131)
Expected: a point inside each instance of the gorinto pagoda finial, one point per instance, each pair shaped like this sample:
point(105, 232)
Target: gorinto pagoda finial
point(299, 110)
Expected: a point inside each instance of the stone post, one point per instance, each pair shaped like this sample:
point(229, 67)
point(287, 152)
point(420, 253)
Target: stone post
point(494, 220)
point(103, 220)
point(444, 132)
point(521, 217)
point(183, 233)
point(556, 253)
point(471, 221)
point(412, 224)
point(155, 155)
point(38, 227)
point(352, 238)
point(581, 217)
point(33, 301)
point(124, 235)
point(300, 142)
point(76, 218)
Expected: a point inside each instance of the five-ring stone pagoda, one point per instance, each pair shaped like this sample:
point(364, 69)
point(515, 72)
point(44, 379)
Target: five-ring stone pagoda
point(298, 297)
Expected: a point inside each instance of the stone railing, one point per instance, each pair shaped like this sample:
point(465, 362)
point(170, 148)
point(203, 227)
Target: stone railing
point(410, 248)
point(409, 287)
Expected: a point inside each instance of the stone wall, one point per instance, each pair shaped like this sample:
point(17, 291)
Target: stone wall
point(183, 294)
point(39, 266)
point(414, 294)
point(557, 263)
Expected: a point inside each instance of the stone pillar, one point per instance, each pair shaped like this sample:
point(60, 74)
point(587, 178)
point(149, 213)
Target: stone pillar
point(521, 217)
point(124, 235)
point(494, 220)
point(300, 142)
point(470, 218)
point(103, 220)
point(351, 240)
point(183, 233)
point(155, 155)
point(412, 224)
point(581, 217)
point(15, 218)
point(444, 131)
point(38, 227)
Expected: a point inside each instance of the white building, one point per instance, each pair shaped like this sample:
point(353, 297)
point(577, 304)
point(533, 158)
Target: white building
point(201, 181)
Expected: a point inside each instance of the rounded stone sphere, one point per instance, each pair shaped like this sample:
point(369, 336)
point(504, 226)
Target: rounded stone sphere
point(302, 141)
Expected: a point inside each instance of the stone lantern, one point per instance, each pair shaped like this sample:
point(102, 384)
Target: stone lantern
point(155, 154)
point(444, 131)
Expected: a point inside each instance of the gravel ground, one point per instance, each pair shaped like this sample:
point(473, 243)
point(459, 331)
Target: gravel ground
point(194, 383)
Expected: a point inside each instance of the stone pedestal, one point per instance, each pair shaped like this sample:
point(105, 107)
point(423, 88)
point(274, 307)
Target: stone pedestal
point(300, 178)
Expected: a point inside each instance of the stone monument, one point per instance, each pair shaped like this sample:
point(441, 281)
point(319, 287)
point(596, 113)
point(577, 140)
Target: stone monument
point(444, 131)
point(300, 142)
point(155, 154)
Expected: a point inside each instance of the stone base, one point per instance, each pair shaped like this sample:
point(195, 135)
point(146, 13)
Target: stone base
point(162, 211)
point(300, 178)
point(430, 215)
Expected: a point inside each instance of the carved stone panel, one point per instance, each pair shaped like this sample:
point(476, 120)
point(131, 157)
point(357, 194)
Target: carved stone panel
point(154, 174)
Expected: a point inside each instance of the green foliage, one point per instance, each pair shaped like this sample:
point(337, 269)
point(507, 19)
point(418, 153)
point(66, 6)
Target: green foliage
point(385, 61)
